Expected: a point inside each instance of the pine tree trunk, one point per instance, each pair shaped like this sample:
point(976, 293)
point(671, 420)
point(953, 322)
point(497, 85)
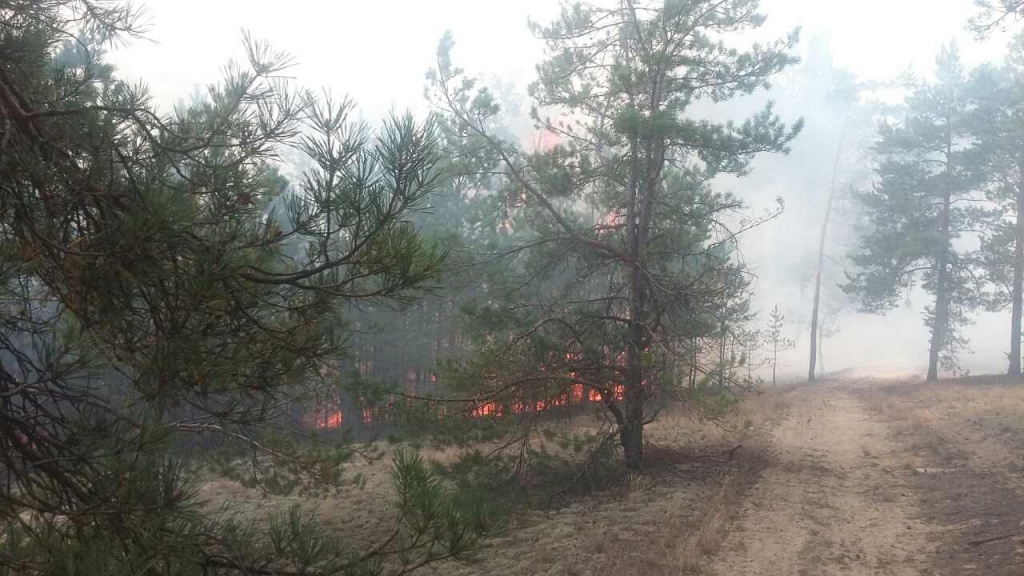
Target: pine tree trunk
point(631, 432)
point(821, 353)
point(647, 162)
point(693, 363)
point(1018, 286)
point(721, 358)
point(940, 319)
point(732, 358)
point(775, 362)
point(811, 370)
point(812, 366)
point(939, 322)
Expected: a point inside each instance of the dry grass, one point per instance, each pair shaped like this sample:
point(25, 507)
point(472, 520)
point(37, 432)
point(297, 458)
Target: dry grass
point(705, 532)
point(705, 536)
point(359, 513)
point(973, 422)
point(667, 521)
point(966, 452)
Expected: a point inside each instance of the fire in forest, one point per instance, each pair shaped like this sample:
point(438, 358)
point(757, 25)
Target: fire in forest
point(330, 414)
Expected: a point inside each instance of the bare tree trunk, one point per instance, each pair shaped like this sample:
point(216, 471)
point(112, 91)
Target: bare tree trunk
point(693, 363)
point(775, 362)
point(721, 357)
point(811, 371)
point(1018, 286)
point(940, 319)
point(732, 358)
point(821, 352)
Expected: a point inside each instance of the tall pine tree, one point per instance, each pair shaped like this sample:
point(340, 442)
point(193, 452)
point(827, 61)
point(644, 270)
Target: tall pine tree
point(922, 204)
point(998, 93)
point(627, 253)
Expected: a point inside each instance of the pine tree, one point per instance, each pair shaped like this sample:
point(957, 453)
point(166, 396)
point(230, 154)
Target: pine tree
point(922, 203)
point(623, 257)
point(999, 124)
point(773, 336)
point(404, 347)
point(165, 288)
point(993, 14)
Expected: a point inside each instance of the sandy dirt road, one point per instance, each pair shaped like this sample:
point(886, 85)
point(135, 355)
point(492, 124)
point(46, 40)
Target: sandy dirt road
point(840, 499)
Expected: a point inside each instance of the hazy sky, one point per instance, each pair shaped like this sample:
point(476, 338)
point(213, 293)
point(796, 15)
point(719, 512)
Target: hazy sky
point(378, 50)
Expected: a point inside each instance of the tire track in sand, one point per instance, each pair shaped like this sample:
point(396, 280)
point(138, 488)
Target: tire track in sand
point(834, 502)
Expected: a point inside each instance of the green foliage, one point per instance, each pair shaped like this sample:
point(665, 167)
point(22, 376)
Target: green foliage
point(773, 332)
point(924, 201)
point(998, 124)
point(612, 257)
point(451, 522)
point(553, 467)
point(774, 338)
point(998, 121)
point(171, 305)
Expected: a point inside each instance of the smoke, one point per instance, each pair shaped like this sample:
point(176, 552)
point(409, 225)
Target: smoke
point(377, 52)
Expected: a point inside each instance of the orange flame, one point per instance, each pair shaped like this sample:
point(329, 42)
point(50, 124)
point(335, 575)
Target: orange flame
point(577, 392)
point(330, 416)
point(486, 410)
point(332, 420)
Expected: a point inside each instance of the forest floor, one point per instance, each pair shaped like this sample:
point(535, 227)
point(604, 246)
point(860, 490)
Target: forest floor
point(852, 475)
point(872, 477)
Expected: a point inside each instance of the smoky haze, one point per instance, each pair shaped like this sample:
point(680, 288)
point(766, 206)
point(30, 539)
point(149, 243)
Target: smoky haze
point(377, 53)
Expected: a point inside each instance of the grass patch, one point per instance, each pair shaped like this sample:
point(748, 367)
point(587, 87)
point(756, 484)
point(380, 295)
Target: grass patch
point(667, 521)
